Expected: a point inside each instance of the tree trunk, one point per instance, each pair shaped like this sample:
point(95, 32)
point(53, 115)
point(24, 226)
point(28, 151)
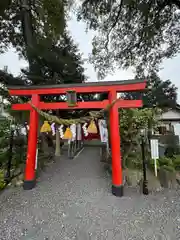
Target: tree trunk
point(27, 29)
point(44, 143)
point(58, 149)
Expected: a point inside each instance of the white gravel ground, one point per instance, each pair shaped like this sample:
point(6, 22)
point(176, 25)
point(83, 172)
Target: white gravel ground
point(73, 200)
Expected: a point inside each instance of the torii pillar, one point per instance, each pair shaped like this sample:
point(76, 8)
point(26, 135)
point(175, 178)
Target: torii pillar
point(117, 176)
point(30, 174)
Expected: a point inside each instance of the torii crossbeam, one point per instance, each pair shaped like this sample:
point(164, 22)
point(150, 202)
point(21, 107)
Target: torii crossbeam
point(111, 87)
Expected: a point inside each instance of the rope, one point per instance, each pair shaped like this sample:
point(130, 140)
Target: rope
point(67, 122)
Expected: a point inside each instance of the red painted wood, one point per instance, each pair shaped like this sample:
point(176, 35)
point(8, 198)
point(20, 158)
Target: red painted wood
point(83, 89)
point(62, 105)
point(21, 106)
point(129, 103)
point(81, 105)
point(32, 142)
point(117, 179)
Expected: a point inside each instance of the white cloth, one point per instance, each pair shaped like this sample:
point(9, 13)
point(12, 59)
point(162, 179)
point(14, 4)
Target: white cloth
point(61, 131)
point(53, 129)
point(23, 131)
point(73, 130)
point(79, 132)
point(103, 130)
point(84, 127)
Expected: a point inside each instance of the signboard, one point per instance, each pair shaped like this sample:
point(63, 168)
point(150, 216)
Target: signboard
point(155, 153)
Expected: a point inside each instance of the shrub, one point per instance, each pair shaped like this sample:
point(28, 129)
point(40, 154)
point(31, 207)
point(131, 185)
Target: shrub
point(172, 146)
point(176, 162)
point(165, 161)
point(168, 168)
point(2, 182)
point(134, 160)
point(151, 164)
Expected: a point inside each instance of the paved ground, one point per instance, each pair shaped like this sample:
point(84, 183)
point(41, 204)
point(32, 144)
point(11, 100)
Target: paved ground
point(73, 201)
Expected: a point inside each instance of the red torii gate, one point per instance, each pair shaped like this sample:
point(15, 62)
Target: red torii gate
point(111, 87)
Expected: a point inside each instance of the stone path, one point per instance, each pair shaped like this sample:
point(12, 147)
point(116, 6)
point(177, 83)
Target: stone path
point(73, 201)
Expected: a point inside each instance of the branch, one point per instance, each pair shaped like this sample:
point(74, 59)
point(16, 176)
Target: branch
point(114, 24)
point(176, 2)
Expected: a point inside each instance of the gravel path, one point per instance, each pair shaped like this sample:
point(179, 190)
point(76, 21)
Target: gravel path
point(73, 201)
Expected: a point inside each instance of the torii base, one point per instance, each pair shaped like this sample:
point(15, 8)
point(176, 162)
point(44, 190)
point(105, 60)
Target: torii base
point(117, 191)
point(28, 185)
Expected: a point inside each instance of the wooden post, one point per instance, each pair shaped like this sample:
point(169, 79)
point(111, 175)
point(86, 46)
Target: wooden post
point(30, 178)
point(117, 179)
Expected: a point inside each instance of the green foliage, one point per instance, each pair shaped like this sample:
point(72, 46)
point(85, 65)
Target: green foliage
point(56, 63)
point(2, 182)
point(176, 162)
point(172, 146)
point(4, 134)
point(151, 164)
point(168, 168)
point(18, 150)
point(162, 94)
point(52, 15)
point(132, 121)
point(132, 33)
point(47, 19)
point(9, 79)
point(134, 160)
point(164, 161)
point(171, 151)
point(40, 36)
point(169, 164)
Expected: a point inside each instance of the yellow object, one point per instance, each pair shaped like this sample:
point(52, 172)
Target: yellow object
point(68, 134)
point(92, 127)
point(45, 127)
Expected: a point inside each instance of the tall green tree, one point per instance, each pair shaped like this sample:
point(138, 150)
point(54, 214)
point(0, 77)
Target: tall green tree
point(162, 94)
point(138, 33)
point(56, 63)
point(132, 121)
point(37, 29)
point(19, 19)
point(25, 22)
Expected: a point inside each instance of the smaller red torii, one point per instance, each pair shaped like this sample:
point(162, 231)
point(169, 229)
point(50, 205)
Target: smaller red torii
point(111, 87)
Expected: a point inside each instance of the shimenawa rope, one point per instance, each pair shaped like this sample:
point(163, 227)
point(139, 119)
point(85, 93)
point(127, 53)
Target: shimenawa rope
point(67, 122)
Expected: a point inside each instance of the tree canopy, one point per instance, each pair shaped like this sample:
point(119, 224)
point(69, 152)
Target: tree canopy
point(47, 19)
point(38, 31)
point(162, 94)
point(132, 121)
point(56, 63)
point(137, 33)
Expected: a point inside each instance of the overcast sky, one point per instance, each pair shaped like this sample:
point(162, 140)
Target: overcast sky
point(170, 68)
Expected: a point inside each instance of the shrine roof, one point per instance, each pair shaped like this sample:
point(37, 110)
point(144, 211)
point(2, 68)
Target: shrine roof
point(88, 87)
point(74, 85)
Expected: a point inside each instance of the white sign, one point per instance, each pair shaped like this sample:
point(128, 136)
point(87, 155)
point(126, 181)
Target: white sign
point(154, 149)
point(103, 130)
point(155, 153)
